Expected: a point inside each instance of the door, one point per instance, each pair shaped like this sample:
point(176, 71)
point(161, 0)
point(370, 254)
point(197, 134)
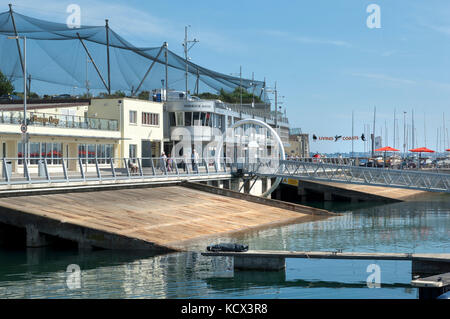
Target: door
point(146, 151)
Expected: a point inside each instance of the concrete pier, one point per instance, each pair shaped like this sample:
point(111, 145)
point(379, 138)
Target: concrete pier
point(422, 264)
point(357, 193)
point(34, 237)
point(259, 263)
point(433, 286)
point(161, 219)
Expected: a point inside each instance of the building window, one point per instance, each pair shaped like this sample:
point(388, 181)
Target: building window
point(188, 118)
point(133, 117)
point(102, 152)
point(172, 119)
point(133, 151)
point(52, 152)
point(179, 117)
point(196, 119)
point(150, 119)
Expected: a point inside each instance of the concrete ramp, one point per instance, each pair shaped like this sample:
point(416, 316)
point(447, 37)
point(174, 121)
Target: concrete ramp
point(160, 218)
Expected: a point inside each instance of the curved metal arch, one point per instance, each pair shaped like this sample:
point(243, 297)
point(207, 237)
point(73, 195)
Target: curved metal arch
point(277, 138)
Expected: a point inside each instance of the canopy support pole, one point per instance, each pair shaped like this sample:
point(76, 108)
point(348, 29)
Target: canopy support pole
point(107, 56)
point(197, 83)
point(167, 69)
point(92, 60)
point(263, 88)
point(149, 69)
point(17, 39)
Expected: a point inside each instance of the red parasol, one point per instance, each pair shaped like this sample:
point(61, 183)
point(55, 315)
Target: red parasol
point(386, 149)
point(421, 150)
point(317, 156)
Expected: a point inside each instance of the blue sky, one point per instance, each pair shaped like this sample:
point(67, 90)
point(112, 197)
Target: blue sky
point(326, 61)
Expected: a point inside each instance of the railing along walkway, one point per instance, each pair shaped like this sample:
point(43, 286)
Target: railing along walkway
point(16, 171)
point(344, 173)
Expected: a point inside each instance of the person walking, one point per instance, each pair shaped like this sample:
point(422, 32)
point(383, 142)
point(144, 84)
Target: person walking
point(169, 163)
point(163, 162)
point(195, 159)
point(185, 162)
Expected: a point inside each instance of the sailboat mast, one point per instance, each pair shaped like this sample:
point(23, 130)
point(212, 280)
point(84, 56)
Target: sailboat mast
point(424, 129)
point(412, 128)
point(353, 133)
point(373, 134)
point(394, 130)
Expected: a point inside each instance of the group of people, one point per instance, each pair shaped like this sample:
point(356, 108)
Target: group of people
point(166, 164)
point(168, 161)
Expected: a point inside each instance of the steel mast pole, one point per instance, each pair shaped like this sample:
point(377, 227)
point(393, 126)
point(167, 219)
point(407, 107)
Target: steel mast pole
point(107, 56)
point(167, 72)
point(276, 108)
point(186, 59)
point(353, 134)
point(240, 83)
point(404, 133)
point(25, 142)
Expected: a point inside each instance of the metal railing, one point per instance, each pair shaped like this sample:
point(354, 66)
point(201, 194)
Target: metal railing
point(253, 111)
point(345, 173)
point(63, 170)
point(436, 166)
point(59, 120)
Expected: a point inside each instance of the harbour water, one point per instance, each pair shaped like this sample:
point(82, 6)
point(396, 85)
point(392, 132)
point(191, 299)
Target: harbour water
point(413, 227)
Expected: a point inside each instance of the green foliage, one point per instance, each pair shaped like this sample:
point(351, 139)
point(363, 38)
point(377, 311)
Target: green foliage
point(30, 95)
point(85, 96)
point(6, 86)
point(144, 95)
point(209, 96)
point(232, 97)
point(116, 94)
point(33, 95)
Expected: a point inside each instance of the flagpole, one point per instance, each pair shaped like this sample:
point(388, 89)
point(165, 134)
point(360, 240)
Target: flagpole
point(353, 134)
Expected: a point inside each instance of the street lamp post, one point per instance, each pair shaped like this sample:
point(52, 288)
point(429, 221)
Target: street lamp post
point(186, 51)
point(24, 140)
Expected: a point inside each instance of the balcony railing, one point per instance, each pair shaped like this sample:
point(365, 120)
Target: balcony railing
point(253, 111)
point(59, 120)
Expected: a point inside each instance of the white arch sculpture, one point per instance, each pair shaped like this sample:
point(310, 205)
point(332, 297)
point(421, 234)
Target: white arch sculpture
point(274, 134)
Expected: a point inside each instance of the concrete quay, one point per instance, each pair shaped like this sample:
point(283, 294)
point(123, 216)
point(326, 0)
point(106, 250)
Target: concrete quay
point(356, 193)
point(422, 264)
point(160, 218)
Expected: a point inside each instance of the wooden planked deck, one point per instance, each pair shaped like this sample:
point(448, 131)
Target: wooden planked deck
point(165, 216)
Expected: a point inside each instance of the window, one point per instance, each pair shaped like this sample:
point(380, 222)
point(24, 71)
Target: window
point(133, 117)
point(179, 116)
point(150, 119)
point(188, 118)
point(133, 150)
point(155, 119)
point(91, 154)
point(88, 152)
point(51, 151)
point(203, 119)
point(197, 119)
point(172, 119)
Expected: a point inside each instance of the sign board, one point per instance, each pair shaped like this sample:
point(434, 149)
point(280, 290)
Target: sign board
point(25, 137)
point(23, 128)
point(378, 142)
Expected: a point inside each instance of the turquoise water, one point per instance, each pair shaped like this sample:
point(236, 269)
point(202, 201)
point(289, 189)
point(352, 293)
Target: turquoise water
point(401, 227)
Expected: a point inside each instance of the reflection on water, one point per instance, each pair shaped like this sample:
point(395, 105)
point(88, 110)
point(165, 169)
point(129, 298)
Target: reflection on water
point(401, 227)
